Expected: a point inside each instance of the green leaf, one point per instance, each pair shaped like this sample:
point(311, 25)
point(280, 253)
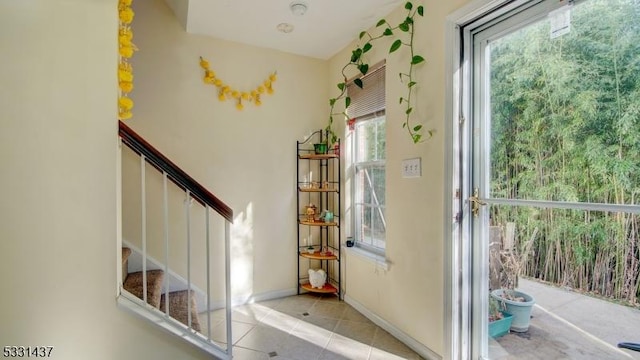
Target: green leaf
point(354, 57)
point(387, 32)
point(417, 128)
point(420, 10)
point(416, 138)
point(401, 100)
point(363, 68)
point(358, 83)
point(404, 27)
point(408, 5)
point(366, 47)
point(417, 59)
point(347, 102)
point(362, 34)
point(395, 46)
point(334, 138)
point(341, 86)
point(381, 22)
point(408, 20)
point(411, 84)
point(409, 110)
point(404, 125)
point(332, 102)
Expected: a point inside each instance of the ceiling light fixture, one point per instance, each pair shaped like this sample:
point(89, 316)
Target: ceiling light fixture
point(285, 28)
point(298, 8)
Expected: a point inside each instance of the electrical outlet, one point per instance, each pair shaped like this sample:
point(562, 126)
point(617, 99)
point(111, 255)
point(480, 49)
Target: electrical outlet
point(411, 168)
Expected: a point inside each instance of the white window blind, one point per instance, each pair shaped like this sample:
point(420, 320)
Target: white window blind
point(369, 99)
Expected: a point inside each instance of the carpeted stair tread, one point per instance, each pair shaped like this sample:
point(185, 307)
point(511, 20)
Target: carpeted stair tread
point(179, 310)
point(133, 284)
point(125, 262)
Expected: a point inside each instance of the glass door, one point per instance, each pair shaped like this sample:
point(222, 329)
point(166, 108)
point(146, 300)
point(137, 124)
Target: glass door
point(554, 139)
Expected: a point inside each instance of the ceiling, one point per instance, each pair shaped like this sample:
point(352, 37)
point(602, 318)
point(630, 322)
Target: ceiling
point(326, 27)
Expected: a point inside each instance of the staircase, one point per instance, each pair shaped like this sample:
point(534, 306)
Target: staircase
point(156, 293)
point(178, 300)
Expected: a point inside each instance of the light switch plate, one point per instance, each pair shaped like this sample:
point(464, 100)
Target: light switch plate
point(411, 168)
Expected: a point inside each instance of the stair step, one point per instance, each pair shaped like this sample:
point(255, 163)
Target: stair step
point(133, 284)
point(125, 262)
point(179, 310)
point(125, 253)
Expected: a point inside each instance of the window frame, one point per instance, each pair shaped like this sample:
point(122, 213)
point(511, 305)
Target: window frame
point(378, 117)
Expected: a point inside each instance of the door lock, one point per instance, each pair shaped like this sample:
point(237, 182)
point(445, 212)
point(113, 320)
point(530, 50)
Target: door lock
point(476, 203)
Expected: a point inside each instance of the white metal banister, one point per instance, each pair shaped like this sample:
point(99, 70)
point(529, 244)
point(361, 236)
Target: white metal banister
point(227, 271)
point(208, 238)
point(143, 232)
point(155, 235)
point(187, 205)
point(165, 206)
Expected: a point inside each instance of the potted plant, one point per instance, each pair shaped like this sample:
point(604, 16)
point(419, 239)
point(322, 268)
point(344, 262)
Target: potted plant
point(515, 302)
point(499, 319)
point(321, 148)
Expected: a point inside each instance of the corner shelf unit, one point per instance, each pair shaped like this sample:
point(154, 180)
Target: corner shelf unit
point(318, 183)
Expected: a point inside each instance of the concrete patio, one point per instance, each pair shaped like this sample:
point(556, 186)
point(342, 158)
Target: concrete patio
point(569, 325)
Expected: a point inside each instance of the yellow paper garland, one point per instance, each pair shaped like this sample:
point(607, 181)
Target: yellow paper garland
point(126, 48)
point(227, 92)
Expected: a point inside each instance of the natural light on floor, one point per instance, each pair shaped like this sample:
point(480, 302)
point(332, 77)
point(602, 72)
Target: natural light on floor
point(306, 327)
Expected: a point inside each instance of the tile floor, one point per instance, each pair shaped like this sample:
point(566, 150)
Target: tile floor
point(305, 327)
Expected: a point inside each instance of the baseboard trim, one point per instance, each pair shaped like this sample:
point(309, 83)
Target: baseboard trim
point(412, 343)
point(250, 299)
point(269, 295)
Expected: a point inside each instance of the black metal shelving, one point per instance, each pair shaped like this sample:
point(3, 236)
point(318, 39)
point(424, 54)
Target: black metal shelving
point(318, 183)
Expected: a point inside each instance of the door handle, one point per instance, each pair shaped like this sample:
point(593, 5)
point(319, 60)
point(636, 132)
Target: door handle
point(476, 203)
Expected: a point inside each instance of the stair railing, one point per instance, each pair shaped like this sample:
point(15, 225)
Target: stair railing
point(194, 191)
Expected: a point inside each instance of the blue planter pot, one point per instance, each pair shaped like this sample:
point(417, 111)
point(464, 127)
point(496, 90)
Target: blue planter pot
point(521, 310)
point(500, 327)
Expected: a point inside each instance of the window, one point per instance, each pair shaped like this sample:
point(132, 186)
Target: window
point(368, 161)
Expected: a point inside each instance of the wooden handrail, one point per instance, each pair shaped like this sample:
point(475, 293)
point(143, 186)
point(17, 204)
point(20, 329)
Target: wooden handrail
point(136, 143)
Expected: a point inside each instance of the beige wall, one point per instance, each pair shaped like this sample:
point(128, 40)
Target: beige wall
point(58, 92)
point(247, 157)
point(409, 295)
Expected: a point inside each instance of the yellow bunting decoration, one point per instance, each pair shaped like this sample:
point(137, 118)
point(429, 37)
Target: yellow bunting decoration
point(226, 92)
point(126, 48)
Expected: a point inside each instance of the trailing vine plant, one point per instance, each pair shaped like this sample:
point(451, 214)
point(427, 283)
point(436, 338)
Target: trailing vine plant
point(404, 33)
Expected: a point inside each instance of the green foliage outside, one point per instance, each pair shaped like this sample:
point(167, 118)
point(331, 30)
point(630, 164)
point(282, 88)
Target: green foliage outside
point(370, 181)
point(566, 127)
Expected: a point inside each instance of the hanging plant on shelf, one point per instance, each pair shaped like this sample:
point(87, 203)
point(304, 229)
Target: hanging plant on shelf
point(226, 92)
point(126, 48)
point(404, 34)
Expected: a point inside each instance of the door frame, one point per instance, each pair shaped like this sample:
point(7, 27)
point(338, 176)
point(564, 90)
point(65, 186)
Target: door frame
point(463, 267)
point(458, 271)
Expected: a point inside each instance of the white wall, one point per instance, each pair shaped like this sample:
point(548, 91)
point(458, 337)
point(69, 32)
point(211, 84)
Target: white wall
point(247, 158)
point(409, 295)
point(58, 93)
